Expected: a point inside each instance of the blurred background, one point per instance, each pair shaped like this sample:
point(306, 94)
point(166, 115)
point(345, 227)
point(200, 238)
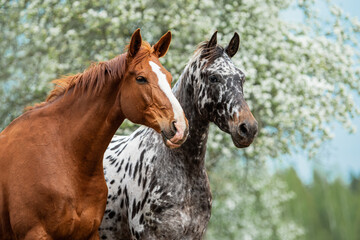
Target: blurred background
point(300, 179)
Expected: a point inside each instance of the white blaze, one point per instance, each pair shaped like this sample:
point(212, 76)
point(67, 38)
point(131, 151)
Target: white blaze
point(164, 86)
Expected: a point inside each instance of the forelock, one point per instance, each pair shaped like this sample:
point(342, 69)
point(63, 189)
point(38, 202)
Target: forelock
point(209, 54)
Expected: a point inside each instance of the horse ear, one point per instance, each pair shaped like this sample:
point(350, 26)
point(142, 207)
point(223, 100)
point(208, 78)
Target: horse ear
point(135, 43)
point(213, 40)
point(233, 46)
point(162, 46)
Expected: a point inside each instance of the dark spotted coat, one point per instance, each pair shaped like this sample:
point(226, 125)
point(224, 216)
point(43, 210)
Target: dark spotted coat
point(161, 193)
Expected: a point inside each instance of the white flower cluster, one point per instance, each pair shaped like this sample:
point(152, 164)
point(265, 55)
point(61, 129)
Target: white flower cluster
point(299, 79)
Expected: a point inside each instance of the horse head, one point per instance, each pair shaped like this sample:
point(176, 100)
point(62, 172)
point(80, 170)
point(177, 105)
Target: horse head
point(219, 94)
point(147, 86)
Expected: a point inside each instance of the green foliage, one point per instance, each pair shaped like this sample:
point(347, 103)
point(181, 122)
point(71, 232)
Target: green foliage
point(299, 79)
point(328, 210)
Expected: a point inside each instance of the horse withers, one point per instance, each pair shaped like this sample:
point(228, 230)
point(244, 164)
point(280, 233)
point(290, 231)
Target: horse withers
point(52, 184)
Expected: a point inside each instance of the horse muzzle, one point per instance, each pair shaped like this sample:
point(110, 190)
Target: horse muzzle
point(176, 134)
point(243, 133)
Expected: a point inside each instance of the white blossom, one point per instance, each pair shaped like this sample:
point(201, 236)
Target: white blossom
point(299, 79)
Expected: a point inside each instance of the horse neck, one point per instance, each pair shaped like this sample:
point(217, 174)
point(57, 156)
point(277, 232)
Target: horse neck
point(195, 145)
point(88, 122)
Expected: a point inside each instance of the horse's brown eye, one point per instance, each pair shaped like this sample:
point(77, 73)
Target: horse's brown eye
point(141, 80)
point(213, 79)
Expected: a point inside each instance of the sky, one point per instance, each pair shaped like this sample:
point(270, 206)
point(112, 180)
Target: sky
point(341, 155)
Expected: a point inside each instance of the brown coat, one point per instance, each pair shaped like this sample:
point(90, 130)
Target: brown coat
point(51, 173)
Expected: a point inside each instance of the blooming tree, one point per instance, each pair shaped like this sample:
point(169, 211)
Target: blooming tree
point(299, 80)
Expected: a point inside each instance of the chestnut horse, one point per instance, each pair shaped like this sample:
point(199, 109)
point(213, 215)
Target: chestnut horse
point(52, 183)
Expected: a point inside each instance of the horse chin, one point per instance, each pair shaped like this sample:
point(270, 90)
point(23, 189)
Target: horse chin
point(239, 141)
point(169, 143)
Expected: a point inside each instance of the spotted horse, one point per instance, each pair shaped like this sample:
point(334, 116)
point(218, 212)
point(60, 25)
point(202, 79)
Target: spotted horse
point(161, 193)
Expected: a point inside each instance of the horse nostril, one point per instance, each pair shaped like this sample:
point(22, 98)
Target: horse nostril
point(173, 128)
point(243, 129)
point(248, 130)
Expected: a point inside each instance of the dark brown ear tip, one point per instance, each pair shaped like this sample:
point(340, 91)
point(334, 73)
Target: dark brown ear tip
point(137, 32)
point(168, 34)
point(162, 46)
point(215, 34)
point(213, 40)
point(233, 46)
point(135, 42)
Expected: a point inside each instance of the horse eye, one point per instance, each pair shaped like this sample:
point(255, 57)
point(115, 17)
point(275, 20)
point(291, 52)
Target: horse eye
point(213, 79)
point(141, 80)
